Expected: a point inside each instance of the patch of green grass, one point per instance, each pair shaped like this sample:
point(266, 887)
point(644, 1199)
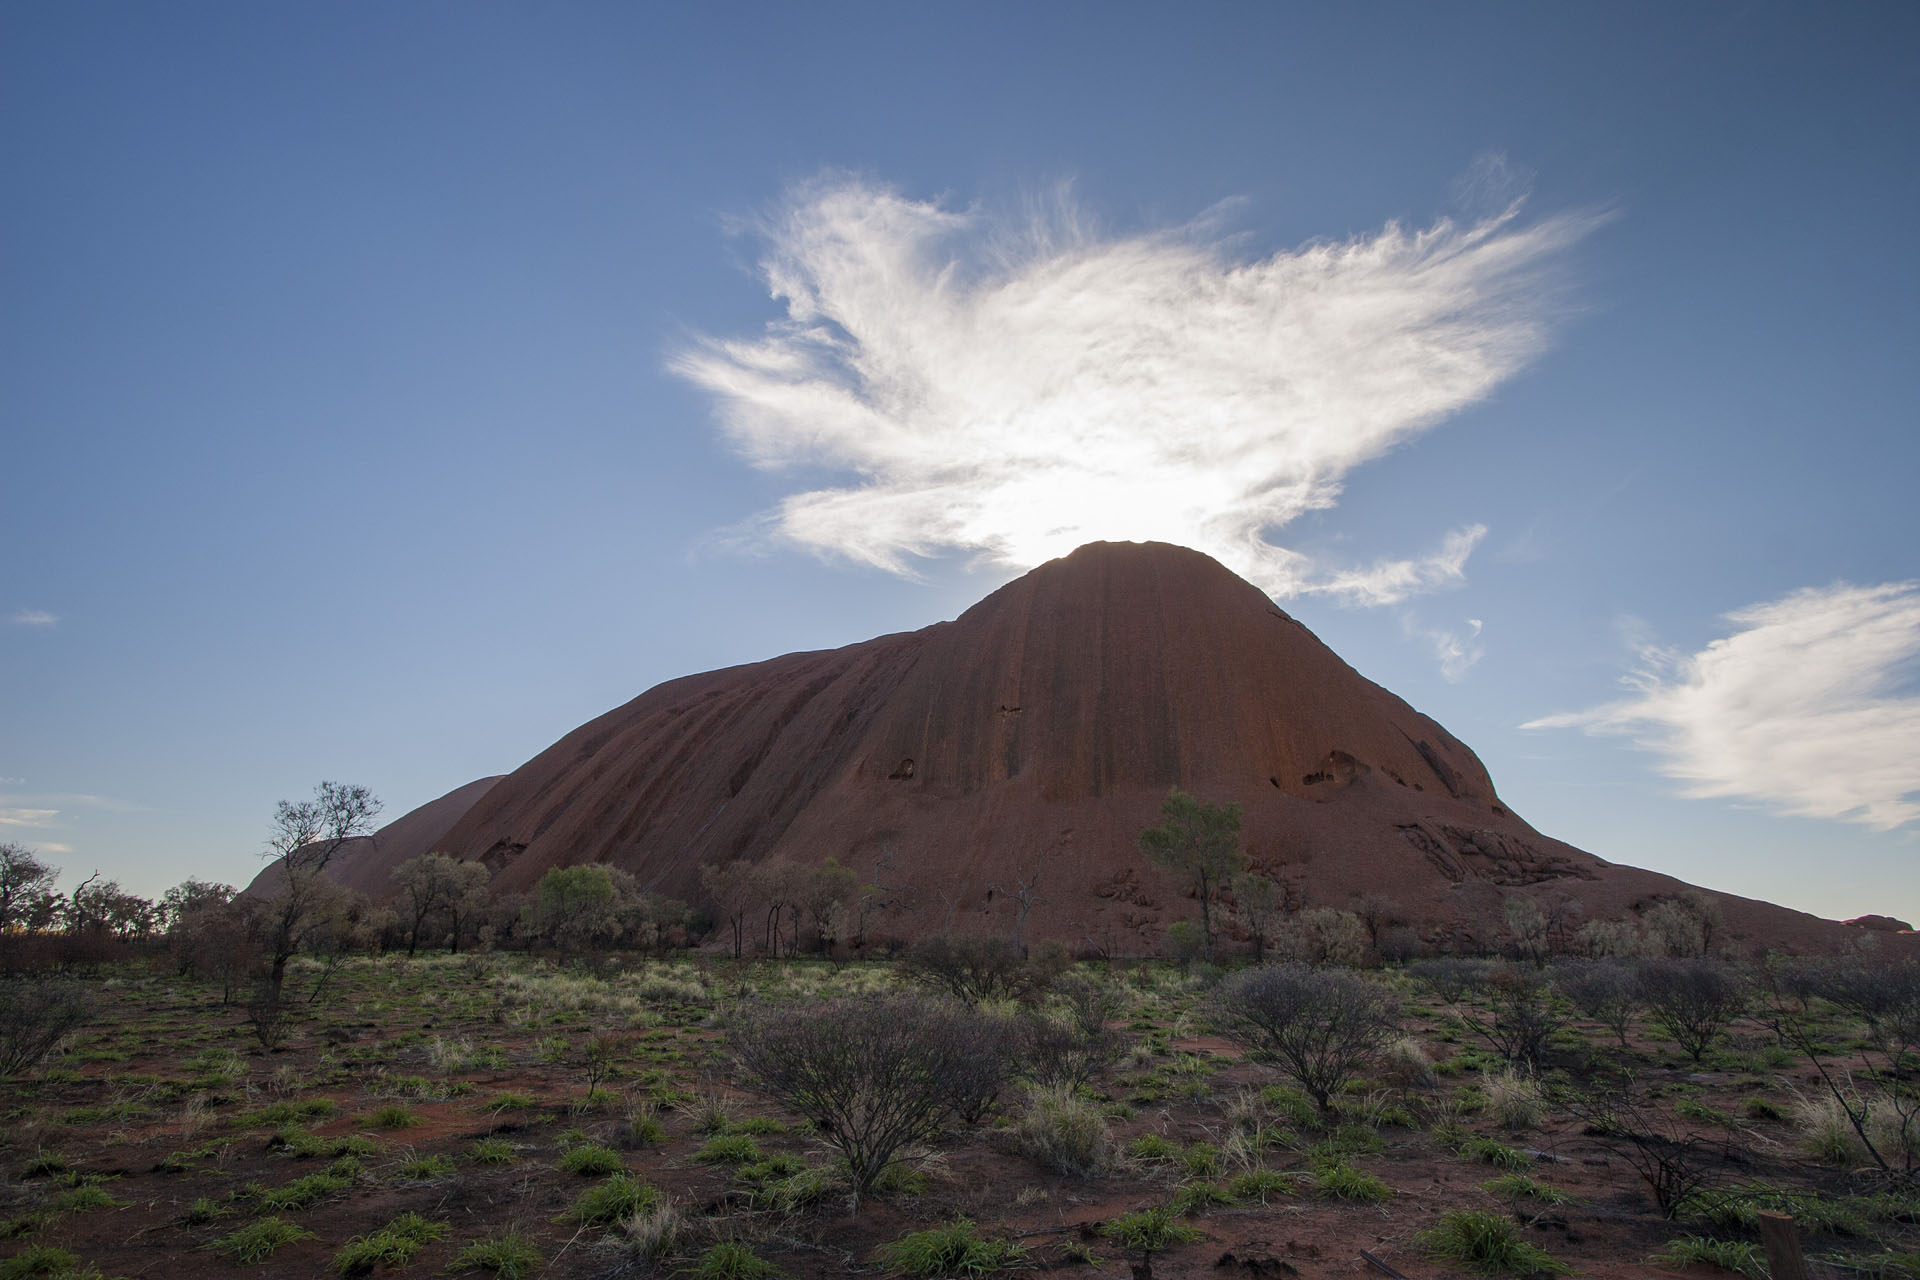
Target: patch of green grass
point(1731, 1255)
point(23, 1224)
point(954, 1248)
point(424, 1168)
point(1487, 1242)
point(45, 1164)
point(510, 1257)
point(729, 1148)
point(731, 1260)
point(591, 1161)
point(1148, 1231)
point(302, 1193)
point(257, 1241)
point(1520, 1186)
point(393, 1116)
point(39, 1260)
point(85, 1198)
point(1759, 1108)
point(1261, 1185)
point(1344, 1182)
point(620, 1196)
point(1152, 1146)
point(493, 1151)
point(288, 1113)
point(1497, 1154)
point(204, 1210)
point(1193, 1197)
point(1201, 1160)
point(392, 1246)
point(510, 1102)
point(302, 1145)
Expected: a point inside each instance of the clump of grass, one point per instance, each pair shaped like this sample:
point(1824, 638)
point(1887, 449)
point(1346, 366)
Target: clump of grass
point(392, 1246)
point(729, 1148)
point(1261, 1185)
point(1759, 1108)
point(1731, 1255)
point(510, 1257)
point(1520, 1186)
point(302, 1193)
point(1488, 1243)
point(493, 1151)
point(1201, 1160)
point(1152, 1146)
point(509, 1102)
point(85, 1198)
point(1065, 1132)
point(204, 1210)
point(1193, 1197)
point(620, 1196)
point(1148, 1231)
point(731, 1260)
point(954, 1248)
point(591, 1161)
point(424, 1168)
point(1497, 1154)
point(257, 1241)
point(1515, 1099)
point(393, 1116)
point(1339, 1181)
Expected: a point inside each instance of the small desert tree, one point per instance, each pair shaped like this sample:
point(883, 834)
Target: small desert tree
point(1693, 1000)
point(1200, 843)
point(735, 893)
point(436, 885)
point(302, 840)
point(1317, 1026)
point(1259, 906)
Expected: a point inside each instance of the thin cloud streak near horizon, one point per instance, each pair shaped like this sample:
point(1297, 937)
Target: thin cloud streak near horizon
point(33, 618)
point(952, 380)
point(1800, 709)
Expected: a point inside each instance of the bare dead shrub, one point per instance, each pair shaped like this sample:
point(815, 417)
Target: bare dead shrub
point(875, 1075)
point(973, 969)
point(1605, 990)
point(36, 1014)
point(1450, 977)
point(1518, 1016)
point(1057, 1053)
point(1318, 1026)
point(1693, 999)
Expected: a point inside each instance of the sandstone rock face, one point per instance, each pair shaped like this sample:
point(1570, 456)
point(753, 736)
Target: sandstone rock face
point(1039, 733)
point(366, 863)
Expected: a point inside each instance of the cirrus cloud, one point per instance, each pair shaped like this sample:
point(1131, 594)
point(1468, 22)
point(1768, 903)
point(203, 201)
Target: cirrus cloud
point(1018, 386)
point(1800, 709)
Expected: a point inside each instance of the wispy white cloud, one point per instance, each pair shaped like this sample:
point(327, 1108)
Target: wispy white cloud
point(1802, 708)
point(1015, 386)
point(1455, 650)
point(20, 817)
point(33, 618)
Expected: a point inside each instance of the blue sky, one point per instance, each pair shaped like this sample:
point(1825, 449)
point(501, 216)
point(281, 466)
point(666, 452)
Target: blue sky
point(386, 390)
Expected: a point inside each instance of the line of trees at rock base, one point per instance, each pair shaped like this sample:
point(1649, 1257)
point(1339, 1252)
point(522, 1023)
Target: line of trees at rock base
point(770, 909)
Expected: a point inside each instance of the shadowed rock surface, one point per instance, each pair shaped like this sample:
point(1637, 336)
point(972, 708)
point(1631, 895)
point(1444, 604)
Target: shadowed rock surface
point(1043, 728)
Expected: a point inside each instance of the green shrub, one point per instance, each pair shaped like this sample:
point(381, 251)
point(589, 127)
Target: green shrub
point(1487, 1242)
point(256, 1241)
point(955, 1248)
point(510, 1257)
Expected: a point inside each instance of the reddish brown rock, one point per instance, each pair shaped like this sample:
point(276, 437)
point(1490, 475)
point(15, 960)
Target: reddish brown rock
point(1879, 924)
point(1044, 727)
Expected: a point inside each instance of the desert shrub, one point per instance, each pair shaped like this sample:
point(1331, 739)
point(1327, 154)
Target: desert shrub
point(953, 1248)
point(36, 1014)
point(392, 1246)
point(1404, 1062)
point(257, 1241)
point(1878, 1103)
point(1487, 1242)
point(1317, 1026)
point(872, 1074)
point(1693, 1000)
point(1450, 977)
point(1669, 1160)
point(1064, 1132)
point(1605, 990)
point(1322, 935)
point(973, 969)
point(1055, 1052)
point(510, 1257)
point(1520, 1016)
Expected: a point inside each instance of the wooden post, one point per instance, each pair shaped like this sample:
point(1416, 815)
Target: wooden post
point(1782, 1243)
